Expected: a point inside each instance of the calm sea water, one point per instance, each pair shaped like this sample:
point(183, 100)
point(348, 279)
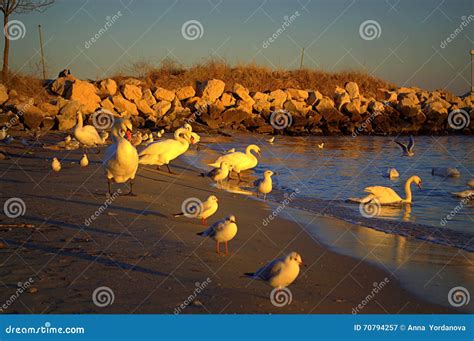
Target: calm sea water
point(326, 177)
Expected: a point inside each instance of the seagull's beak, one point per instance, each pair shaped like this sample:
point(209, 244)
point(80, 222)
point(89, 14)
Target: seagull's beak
point(303, 264)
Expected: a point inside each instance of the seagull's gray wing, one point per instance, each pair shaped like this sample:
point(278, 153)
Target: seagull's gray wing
point(270, 270)
point(411, 144)
point(402, 145)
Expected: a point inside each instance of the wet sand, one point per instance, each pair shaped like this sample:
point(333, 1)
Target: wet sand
point(152, 261)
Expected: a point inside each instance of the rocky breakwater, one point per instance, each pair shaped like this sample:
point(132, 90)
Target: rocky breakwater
point(212, 106)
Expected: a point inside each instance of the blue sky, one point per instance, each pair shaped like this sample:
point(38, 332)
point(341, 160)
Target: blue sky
point(405, 50)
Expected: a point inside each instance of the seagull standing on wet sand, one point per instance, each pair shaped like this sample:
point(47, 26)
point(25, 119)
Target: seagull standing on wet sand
point(56, 165)
point(222, 231)
point(264, 185)
point(201, 211)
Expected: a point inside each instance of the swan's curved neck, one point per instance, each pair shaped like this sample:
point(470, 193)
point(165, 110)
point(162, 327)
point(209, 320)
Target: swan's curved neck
point(408, 190)
point(249, 151)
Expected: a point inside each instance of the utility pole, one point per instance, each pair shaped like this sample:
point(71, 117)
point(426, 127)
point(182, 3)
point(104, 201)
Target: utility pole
point(472, 72)
point(42, 53)
point(302, 57)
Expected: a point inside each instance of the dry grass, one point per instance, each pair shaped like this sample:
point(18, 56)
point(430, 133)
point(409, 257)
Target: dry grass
point(172, 75)
point(30, 86)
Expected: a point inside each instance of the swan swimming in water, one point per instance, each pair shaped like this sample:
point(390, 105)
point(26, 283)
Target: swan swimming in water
point(407, 148)
point(386, 195)
point(121, 158)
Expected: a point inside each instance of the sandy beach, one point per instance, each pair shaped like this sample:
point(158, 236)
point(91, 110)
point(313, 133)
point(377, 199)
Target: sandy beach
point(152, 261)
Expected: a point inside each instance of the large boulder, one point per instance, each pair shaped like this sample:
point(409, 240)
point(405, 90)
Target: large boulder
point(386, 95)
point(325, 104)
point(132, 92)
point(226, 100)
point(296, 107)
point(148, 97)
point(352, 89)
point(234, 116)
point(245, 106)
point(242, 92)
point(144, 108)
point(49, 108)
point(122, 105)
point(212, 90)
point(86, 94)
point(341, 97)
point(313, 97)
point(161, 108)
point(62, 85)
point(277, 98)
point(185, 93)
point(297, 94)
point(32, 115)
point(3, 94)
point(107, 104)
point(162, 94)
point(107, 87)
point(408, 106)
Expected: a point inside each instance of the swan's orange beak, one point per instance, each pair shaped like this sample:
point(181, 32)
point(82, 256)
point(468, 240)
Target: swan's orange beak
point(419, 186)
point(128, 135)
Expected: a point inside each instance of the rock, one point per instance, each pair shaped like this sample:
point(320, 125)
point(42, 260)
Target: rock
point(410, 96)
point(376, 106)
point(66, 121)
point(245, 106)
point(297, 95)
point(242, 92)
point(260, 96)
point(386, 95)
point(161, 108)
point(341, 97)
point(277, 98)
point(32, 116)
point(86, 94)
point(51, 109)
point(325, 104)
point(3, 94)
point(148, 97)
point(132, 92)
point(122, 105)
point(227, 100)
point(313, 97)
point(234, 116)
point(144, 108)
point(446, 172)
point(353, 109)
point(62, 85)
point(131, 81)
point(107, 104)
point(163, 94)
point(408, 106)
point(262, 105)
point(212, 90)
point(294, 106)
point(185, 93)
point(352, 89)
point(47, 124)
point(107, 87)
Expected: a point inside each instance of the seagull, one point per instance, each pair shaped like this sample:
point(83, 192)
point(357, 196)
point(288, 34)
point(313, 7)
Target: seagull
point(279, 273)
point(201, 211)
point(84, 161)
point(264, 185)
point(392, 173)
point(407, 149)
point(56, 165)
point(321, 146)
point(219, 174)
point(470, 183)
point(222, 231)
point(468, 193)
point(271, 140)
point(232, 150)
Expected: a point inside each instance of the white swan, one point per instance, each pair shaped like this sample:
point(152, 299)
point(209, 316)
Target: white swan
point(121, 158)
point(163, 152)
point(238, 160)
point(264, 185)
point(279, 273)
point(386, 195)
point(222, 231)
point(87, 135)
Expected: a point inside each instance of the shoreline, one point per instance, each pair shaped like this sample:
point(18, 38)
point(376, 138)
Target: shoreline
point(153, 261)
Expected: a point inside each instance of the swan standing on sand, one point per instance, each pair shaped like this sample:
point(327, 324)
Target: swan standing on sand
point(264, 185)
point(219, 174)
point(163, 152)
point(407, 148)
point(206, 209)
point(238, 160)
point(279, 273)
point(121, 158)
point(84, 161)
point(222, 231)
point(387, 196)
point(87, 135)
point(56, 165)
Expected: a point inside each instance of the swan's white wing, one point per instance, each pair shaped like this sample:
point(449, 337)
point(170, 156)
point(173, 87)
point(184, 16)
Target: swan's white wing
point(159, 147)
point(383, 194)
point(235, 158)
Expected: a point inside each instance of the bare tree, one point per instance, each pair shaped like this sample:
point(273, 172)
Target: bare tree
point(17, 6)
